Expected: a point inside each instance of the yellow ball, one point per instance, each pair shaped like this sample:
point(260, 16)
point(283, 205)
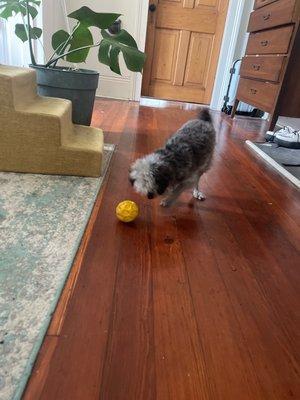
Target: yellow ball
point(127, 211)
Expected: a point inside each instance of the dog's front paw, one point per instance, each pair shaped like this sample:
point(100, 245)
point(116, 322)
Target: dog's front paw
point(198, 195)
point(165, 203)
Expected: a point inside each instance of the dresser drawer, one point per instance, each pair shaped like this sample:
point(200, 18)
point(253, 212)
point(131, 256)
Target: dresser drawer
point(279, 13)
point(262, 95)
point(267, 68)
point(261, 3)
point(274, 41)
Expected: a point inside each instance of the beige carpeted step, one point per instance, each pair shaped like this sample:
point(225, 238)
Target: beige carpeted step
point(19, 85)
point(83, 136)
point(37, 134)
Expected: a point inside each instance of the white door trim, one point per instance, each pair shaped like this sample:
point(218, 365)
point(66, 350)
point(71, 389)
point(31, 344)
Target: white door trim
point(141, 32)
point(229, 41)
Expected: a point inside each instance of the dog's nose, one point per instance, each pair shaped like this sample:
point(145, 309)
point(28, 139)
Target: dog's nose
point(131, 181)
point(150, 195)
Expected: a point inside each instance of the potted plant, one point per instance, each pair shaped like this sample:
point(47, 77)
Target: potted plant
point(77, 85)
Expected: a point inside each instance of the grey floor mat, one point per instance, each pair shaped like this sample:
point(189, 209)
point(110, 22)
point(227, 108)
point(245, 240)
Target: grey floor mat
point(289, 159)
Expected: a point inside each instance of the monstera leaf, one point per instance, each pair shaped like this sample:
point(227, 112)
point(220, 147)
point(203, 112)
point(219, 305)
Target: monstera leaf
point(59, 38)
point(21, 31)
point(88, 17)
point(63, 42)
point(111, 46)
point(11, 7)
point(81, 37)
point(75, 46)
point(8, 10)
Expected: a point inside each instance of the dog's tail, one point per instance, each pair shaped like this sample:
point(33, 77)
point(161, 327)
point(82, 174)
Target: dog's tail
point(204, 115)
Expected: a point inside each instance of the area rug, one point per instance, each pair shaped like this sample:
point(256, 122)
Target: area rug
point(285, 161)
point(42, 220)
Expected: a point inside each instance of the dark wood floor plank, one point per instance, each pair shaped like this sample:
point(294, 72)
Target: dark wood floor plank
point(129, 362)
point(41, 369)
point(261, 233)
point(217, 323)
point(265, 339)
point(277, 186)
point(199, 301)
point(179, 353)
point(129, 366)
point(269, 289)
point(178, 350)
point(277, 231)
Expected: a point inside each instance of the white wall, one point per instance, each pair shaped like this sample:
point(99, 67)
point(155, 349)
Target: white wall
point(133, 20)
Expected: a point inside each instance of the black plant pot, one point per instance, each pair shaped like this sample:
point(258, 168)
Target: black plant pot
point(78, 86)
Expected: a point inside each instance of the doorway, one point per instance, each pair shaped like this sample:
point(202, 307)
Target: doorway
point(183, 45)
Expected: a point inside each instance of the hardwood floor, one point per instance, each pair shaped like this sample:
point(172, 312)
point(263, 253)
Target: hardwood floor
point(196, 302)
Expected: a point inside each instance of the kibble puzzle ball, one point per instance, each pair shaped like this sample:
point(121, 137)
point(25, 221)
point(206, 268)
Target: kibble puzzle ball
point(127, 211)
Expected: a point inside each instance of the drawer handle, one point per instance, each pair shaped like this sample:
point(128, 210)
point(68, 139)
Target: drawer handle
point(256, 67)
point(264, 43)
point(266, 17)
point(253, 91)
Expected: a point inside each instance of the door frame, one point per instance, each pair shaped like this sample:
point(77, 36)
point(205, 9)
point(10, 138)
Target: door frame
point(141, 40)
point(229, 41)
point(227, 51)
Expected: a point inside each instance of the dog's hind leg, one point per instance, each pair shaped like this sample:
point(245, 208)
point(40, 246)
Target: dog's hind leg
point(197, 194)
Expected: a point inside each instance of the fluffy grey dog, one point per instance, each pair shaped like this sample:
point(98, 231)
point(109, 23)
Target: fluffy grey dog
point(179, 165)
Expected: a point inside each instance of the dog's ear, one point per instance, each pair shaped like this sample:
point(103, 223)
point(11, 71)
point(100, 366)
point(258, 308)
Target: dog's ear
point(162, 176)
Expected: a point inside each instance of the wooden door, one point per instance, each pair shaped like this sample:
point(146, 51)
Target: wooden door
point(183, 44)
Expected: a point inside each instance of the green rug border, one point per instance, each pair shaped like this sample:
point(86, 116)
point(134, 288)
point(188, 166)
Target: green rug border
point(36, 348)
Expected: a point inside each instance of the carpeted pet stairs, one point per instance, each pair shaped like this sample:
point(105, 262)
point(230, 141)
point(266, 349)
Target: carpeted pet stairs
point(37, 134)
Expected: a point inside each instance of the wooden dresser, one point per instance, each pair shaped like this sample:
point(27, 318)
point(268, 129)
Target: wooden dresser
point(270, 70)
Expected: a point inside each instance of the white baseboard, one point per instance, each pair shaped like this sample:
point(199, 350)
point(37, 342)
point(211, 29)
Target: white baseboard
point(115, 87)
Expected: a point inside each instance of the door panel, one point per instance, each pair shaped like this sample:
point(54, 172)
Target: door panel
point(198, 60)
point(188, 3)
point(210, 3)
point(183, 44)
point(164, 54)
point(190, 19)
point(184, 39)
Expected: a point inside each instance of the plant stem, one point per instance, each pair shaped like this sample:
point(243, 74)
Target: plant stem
point(33, 62)
point(61, 48)
point(70, 52)
point(57, 50)
point(67, 41)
